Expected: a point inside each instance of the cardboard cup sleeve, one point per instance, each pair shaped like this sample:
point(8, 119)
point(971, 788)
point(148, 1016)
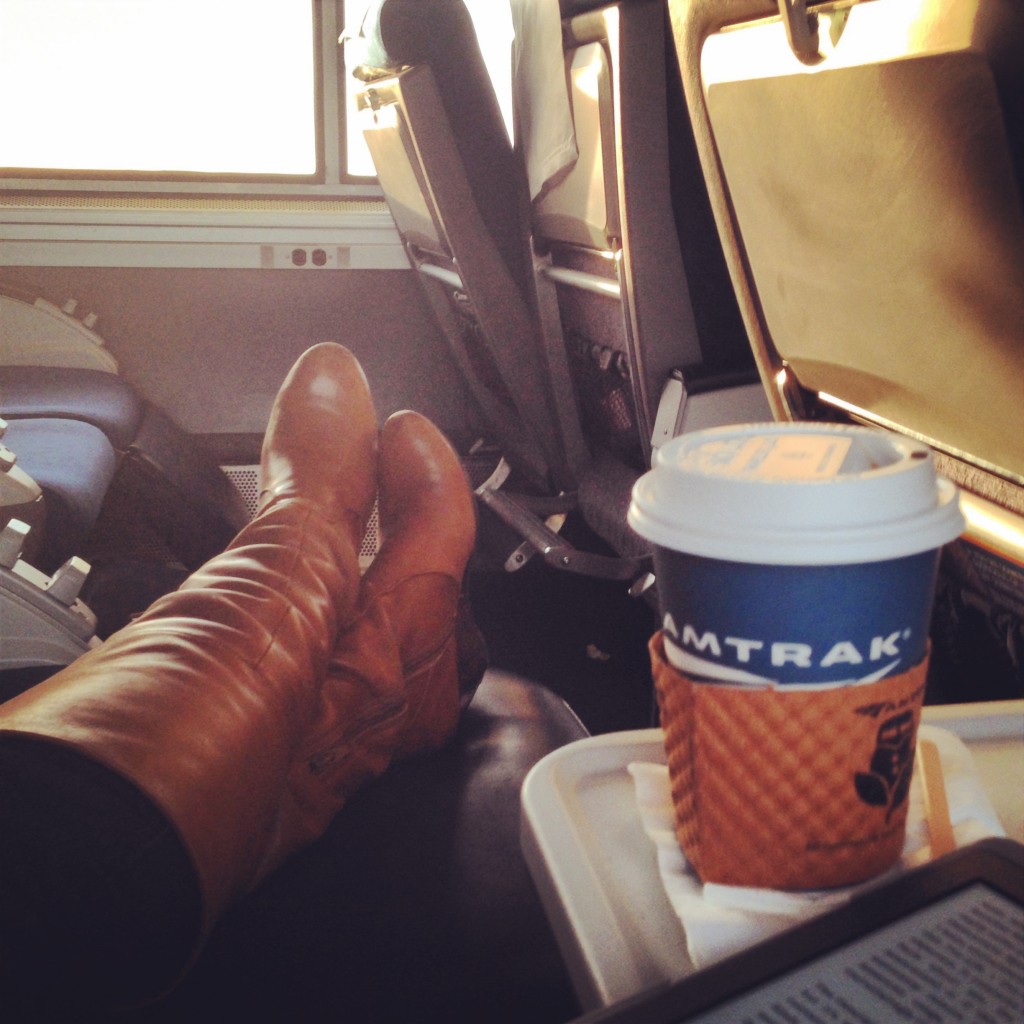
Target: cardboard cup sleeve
point(789, 787)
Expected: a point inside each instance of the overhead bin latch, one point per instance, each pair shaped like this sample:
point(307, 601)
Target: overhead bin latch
point(801, 31)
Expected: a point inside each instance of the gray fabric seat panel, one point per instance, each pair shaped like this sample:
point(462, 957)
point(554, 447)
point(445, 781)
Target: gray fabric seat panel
point(74, 463)
point(90, 396)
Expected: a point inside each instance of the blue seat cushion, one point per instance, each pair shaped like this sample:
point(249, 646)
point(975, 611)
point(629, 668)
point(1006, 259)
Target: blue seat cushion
point(61, 392)
point(74, 463)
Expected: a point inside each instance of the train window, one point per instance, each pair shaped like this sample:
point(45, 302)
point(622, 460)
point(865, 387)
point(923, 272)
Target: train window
point(175, 90)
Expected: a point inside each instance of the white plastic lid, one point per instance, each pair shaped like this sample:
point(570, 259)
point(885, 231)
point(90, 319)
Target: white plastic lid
point(795, 494)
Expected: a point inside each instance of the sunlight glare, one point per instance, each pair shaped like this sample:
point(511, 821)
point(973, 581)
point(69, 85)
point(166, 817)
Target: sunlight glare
point(158, 85)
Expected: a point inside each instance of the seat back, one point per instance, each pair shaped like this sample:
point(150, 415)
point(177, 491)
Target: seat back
point(458, 195)
point(603, 319)
point(612, 251)
point(865, 165)
point(74, 465)
point(872, 203)
point(513, 368)
point(633, 287)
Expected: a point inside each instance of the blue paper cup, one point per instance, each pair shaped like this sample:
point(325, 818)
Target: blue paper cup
point(795, 554)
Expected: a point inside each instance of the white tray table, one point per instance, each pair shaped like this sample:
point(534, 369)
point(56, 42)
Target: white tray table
point(597, 873)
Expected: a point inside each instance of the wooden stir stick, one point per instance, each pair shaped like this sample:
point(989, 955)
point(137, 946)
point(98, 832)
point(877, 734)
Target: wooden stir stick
point(936, 803)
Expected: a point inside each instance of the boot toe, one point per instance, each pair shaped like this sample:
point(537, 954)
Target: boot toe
point(321, 442)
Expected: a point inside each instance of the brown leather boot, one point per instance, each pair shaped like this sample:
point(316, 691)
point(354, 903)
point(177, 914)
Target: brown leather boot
point(202, 702)
point(393, 684)
point(428, 522)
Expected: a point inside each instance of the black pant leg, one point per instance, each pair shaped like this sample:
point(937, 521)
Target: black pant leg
point(99, 903)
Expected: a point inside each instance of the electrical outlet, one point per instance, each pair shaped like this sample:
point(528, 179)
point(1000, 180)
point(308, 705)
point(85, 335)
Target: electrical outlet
point(304, 257)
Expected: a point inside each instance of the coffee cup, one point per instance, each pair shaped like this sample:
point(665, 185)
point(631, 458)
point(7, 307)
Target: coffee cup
point(795, 554)
point(796, 568)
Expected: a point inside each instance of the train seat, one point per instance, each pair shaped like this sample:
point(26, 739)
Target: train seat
point(124, 487)
point(459, 197)
point(146, 440)
point(609, 323)
point(643, 291)
point(416, 904)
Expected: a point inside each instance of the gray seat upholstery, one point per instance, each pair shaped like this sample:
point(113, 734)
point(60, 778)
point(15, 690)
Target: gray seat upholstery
point(88, 396)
